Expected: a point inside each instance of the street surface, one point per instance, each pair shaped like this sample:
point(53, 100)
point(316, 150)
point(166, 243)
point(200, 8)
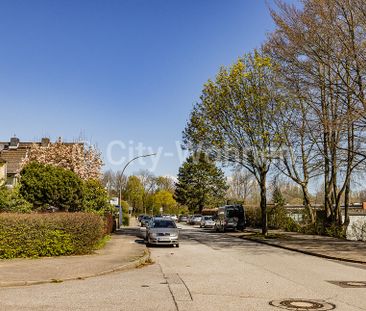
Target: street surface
point(210, 271)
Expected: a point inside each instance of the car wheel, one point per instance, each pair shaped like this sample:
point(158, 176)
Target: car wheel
point(176, 245)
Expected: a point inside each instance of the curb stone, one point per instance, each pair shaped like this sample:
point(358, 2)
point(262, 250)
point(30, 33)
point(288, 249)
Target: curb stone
point(303, 251)
point(128, 266)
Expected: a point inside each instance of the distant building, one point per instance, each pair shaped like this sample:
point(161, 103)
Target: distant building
point(12, 154)
point(3, 170)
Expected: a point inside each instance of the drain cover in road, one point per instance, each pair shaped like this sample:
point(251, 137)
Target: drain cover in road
point(302, 304)
point(349, 284)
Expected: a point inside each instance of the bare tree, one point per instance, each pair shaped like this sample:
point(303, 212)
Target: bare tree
point(165, 183)
point(241, 185)
point(148, 182)
point(324, 44)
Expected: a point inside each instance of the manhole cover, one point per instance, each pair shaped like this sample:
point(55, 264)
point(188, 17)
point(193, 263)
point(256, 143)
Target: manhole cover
point(302, 304)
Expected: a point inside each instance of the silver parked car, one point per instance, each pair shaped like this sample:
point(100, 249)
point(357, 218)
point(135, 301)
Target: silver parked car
point(207, 222)
point(197, 219)
point(162, 231)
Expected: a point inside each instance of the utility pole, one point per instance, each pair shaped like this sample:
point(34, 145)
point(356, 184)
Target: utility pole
point(120, 186)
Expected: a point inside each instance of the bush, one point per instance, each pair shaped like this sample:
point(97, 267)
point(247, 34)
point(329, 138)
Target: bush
point(96, 196)
point(110, 223)
point(12, 201)
point(277, 217)
point(323, 226)
point(253, 216)
point(125, 220)
point(125, 215)
point(291, 225)
point(44, 185)
point(35, 235)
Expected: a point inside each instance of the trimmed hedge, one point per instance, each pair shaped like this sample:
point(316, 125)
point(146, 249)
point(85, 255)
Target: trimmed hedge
point(109, 224)
point(54, 234)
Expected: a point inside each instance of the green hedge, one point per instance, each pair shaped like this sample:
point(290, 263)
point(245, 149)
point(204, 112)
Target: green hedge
point(54, 234)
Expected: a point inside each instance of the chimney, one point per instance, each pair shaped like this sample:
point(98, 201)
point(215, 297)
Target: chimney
point(14, 143)
point(45, 142)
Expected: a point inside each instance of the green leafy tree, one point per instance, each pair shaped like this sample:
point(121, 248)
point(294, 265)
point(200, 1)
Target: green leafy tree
point(46, 185)
point(277, 196)
point(277, 214)
point(200, 183)
point(95, 196)
point(164, 199)
point(234, 121)
point(134, 194)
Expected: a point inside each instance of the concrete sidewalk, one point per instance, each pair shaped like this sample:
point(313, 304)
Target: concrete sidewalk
point(321, 246)
point(123, 251)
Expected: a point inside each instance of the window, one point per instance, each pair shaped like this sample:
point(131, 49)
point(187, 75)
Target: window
point(164, 224)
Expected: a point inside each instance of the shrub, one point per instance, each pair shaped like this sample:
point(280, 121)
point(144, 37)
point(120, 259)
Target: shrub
point(291, 225)
point(277, 217)
point(110, 223)
point(34, 235)
point(253, 216)
point(125, 215)
point(96, 196)
point(335, 231)
point(125, 220)
point(44, 185)
point(12, 201)
point(323, 226)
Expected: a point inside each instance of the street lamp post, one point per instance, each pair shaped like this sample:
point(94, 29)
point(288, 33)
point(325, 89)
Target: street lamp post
point(120, 186)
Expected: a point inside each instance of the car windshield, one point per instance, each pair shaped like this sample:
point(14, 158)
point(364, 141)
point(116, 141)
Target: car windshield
point(164, 224)
point(208, 218)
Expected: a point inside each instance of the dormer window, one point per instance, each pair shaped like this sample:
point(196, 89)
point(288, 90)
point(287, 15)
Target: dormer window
point(45, 142)
point(14, 143)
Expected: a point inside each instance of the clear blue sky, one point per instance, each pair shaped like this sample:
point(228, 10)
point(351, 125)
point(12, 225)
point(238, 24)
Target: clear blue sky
point(117, 70)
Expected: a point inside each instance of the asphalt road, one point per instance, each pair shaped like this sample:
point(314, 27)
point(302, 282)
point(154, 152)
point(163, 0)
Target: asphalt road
point(210, 271)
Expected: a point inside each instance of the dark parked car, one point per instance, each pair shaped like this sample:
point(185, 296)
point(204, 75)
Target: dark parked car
point(145, 219)
point(230, 217)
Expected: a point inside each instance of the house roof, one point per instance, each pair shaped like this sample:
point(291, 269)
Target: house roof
point(14, 153)
point(13, 158)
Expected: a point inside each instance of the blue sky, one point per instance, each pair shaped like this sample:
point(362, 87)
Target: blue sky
point(118, 71)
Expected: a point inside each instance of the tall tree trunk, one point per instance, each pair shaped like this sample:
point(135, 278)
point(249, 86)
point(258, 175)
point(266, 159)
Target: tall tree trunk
point(307, 203)
point(346, 206)
point(350, 143)
point(350, 159)
point(325, 127)
point(263, 203)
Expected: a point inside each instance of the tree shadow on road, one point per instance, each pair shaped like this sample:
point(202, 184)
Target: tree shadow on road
point(133, 232)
